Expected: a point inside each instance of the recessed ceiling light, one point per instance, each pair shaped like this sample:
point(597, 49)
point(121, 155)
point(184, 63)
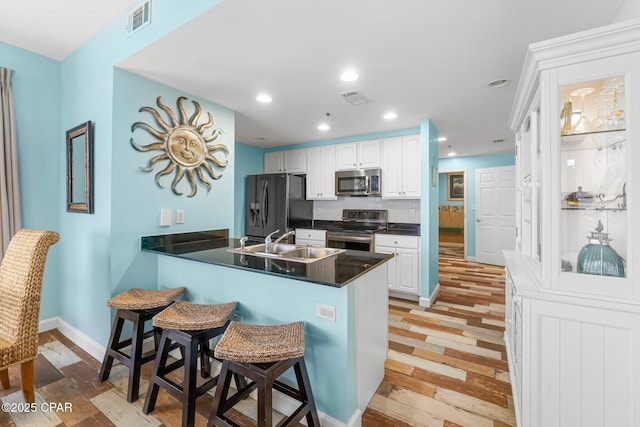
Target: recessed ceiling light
point(349, 76)
point(264, 98)
point(323, 126)
point(451, 153)
point(498, 83)
point(390, 115)
point(442, 139)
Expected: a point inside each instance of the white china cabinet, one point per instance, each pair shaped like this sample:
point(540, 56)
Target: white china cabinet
point(573, 282)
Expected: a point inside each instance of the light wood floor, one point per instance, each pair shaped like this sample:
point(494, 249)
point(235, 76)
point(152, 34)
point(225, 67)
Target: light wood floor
point(446, 367)
point(447, 364)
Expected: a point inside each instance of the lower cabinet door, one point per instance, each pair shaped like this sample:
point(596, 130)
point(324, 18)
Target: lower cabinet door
point(407, 269)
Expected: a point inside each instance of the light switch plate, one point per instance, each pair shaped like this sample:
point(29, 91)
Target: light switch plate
point(165, 217)
point(180, 216)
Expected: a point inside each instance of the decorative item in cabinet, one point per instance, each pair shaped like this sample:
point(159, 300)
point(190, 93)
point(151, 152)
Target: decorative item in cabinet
point(597, 257)
point(593, 157)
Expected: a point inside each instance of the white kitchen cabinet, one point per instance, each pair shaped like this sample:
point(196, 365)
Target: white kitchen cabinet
point(287, 161)
point(401, 167)
point(572, 327)
point(404, 268)
point(321, 184)
point(309, 237)
point(358, 155)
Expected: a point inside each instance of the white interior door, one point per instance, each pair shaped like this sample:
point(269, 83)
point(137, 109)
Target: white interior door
point(495, 213)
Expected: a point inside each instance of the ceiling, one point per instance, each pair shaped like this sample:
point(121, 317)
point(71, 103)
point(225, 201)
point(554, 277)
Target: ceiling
point(418, 58)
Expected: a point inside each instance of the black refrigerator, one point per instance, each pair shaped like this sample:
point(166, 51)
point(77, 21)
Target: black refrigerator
point(276, 201)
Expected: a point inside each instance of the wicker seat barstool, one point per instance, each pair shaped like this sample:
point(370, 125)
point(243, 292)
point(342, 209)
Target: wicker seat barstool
point(262, 354)
point(190, 326)
point(137, 306)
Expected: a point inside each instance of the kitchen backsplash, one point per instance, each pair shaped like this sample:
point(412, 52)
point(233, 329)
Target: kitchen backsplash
point(405, 211)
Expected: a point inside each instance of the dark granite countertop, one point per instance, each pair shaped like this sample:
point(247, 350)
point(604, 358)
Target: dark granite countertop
point(211, 247)
point(402, 229)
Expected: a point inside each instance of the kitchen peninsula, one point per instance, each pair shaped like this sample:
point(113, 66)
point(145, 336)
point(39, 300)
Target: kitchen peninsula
point(342, 300)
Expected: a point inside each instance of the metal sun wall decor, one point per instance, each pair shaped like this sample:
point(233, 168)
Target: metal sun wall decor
point(184, 144)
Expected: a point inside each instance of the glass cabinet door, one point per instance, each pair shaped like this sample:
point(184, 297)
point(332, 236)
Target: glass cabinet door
point(593, 178)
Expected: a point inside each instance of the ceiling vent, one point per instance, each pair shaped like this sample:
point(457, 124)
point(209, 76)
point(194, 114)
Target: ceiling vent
point(139, 18)
point(354, 97)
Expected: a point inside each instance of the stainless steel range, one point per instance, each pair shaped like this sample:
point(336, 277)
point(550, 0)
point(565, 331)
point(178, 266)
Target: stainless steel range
point(357, 229)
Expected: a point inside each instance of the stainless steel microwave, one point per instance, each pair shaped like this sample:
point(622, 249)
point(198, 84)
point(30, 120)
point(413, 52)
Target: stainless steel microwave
point(365, 182)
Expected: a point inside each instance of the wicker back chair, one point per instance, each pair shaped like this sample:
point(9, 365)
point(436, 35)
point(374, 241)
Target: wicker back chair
point(21, 275)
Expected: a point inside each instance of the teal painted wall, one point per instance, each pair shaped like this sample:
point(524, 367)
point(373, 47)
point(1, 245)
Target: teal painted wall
point(90, 271)
point(470, 164)
point(249, 160)
point(35, 83)
point(428, 209)
point(136, 199)
point(331, 373)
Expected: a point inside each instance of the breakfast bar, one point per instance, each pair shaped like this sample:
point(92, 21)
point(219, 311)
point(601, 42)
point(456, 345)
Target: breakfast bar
point(341, 298)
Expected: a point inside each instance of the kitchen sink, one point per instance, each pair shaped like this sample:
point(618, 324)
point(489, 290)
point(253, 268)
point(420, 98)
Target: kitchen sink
point(289, 252)
point(275, 250)
point(311, 253)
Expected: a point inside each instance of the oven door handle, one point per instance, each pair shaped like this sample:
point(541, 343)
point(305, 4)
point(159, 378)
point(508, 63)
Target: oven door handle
point(343, 238)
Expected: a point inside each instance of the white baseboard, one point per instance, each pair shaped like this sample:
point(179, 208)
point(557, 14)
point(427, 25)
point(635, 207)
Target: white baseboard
point(471, 259)
point(79, 338)
point(428, 302)
point(281, 402)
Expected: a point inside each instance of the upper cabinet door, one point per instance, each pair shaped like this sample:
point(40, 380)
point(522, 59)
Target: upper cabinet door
point(358, 155)
point(287, 161)
point(346, 156)
point(295, 161)
point(369, 154)
point(273, 162)
point(593, 193)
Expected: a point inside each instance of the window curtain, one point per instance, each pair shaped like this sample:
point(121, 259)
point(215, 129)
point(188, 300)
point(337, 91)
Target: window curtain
point(9, 190)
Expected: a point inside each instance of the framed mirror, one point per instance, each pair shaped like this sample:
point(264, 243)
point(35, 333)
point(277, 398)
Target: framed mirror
point(80, 168)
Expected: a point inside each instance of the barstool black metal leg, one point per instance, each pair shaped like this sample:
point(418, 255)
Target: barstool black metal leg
point(265, 391)
point(135, 359)
point(189, 386)
point(205, 362)
point(304, 386)
point(114, 339)
point(220, 396)
point(158, 365)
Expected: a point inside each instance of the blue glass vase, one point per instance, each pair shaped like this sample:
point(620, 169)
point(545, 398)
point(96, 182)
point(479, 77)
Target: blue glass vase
point(597, 257)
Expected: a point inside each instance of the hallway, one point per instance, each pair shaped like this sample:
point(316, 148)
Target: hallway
point(447, 365)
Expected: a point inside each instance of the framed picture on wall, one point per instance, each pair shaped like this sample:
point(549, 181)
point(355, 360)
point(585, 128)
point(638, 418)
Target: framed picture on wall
point(455, 186)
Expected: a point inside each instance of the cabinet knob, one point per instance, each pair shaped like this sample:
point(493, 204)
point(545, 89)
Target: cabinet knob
point(354, 164)
point(395, 243)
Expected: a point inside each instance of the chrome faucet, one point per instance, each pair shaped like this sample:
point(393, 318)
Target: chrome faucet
point(267, 241)
point(285, 235)
point(243, 242)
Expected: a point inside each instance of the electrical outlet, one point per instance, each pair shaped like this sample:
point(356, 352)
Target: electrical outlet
point(412, 213)
point(180, 216)
point(326, 312)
